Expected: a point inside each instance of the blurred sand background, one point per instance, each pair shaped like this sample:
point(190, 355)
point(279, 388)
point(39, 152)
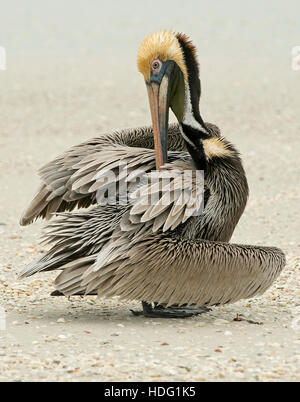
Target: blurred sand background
point(71, 74)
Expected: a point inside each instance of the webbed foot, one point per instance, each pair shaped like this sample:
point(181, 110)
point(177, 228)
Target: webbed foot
point(169, 312)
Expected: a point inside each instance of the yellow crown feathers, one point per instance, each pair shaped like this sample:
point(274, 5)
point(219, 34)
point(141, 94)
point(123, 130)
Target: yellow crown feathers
point(163, 45)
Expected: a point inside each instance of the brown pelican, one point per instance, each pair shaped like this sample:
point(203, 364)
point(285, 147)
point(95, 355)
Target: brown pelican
point(175, 261)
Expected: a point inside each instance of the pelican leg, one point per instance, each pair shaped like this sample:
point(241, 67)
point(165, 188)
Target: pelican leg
point(169, 312)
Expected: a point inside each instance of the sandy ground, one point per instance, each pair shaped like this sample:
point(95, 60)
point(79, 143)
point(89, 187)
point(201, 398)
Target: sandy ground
point(71, 74)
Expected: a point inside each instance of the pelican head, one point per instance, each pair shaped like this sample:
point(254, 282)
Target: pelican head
point(169, 65)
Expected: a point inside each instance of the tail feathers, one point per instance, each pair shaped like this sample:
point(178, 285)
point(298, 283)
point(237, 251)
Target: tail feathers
point(69, 281)
point(44, 264)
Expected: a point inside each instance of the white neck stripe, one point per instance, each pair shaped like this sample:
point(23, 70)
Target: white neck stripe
point(188, 118)
point(186, 138)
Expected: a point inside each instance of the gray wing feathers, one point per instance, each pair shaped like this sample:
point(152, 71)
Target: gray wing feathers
point(64, 187)
point(125, 251)
point(174, 270)
point(167, 205)
point(67, 180)
point(69, 281)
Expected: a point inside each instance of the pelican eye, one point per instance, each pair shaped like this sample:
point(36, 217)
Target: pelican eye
point(156, 65)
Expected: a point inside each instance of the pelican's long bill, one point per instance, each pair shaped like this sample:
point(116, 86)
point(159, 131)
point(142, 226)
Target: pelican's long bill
point(159, 98)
